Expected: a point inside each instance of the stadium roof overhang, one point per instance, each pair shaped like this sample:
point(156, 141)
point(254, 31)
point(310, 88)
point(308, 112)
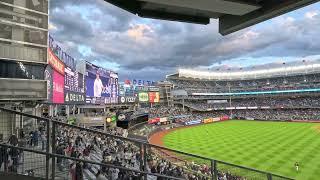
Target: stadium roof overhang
point(233, 15)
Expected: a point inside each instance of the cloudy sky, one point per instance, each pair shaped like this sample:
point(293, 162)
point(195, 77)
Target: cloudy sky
point(149, 49)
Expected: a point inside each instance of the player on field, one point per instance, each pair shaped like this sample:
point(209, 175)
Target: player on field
point(297, 166)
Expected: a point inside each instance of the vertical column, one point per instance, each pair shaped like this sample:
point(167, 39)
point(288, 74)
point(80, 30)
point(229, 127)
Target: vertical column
point(67, 110)
point(183, 104)
point(53, 145)
point(55, 111)
point(74, 110)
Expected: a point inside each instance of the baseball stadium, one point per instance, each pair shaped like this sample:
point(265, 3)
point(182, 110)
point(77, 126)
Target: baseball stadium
point(111, 90)
point(265, 120)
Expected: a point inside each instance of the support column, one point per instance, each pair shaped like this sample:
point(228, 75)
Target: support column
point(74, 110)
point(67, 110)
point(55, 111)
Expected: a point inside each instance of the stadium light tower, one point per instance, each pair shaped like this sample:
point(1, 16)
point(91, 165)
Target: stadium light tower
point(233, 15)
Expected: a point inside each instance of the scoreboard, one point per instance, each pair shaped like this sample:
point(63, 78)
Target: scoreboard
point(74, 87)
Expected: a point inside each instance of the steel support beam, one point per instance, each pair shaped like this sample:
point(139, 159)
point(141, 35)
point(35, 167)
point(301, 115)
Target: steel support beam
point(229, 23)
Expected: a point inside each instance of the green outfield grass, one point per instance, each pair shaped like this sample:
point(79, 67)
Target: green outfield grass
point(267, 146)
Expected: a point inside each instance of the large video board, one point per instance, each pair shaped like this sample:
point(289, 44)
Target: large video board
point(101, 85)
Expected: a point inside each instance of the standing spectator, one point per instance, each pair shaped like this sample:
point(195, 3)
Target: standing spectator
point(79, 171)
point(14, 153)
point(72, 171)
point(43, 140)
point(13, 140)
point(35, 137)
point(60, 151)
point(4, 157)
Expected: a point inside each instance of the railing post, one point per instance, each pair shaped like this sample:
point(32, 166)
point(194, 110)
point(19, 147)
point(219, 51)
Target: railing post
point(141, 156)
point(145, 160)
point(47, 150)
point(212, 170)
point(215, 170)
point(269, 176)
point(53, 146)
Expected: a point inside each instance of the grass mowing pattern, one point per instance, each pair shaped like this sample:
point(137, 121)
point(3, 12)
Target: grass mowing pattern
point(267, 146)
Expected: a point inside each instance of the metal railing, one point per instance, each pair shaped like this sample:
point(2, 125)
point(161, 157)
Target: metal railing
point(110, 155)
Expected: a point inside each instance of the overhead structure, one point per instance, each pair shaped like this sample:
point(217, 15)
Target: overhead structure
point(233, 15)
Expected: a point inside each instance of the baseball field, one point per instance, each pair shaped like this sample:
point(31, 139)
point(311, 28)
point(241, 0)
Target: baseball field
point(269, 146)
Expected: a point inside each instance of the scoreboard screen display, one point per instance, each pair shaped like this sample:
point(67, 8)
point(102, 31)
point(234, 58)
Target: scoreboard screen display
point(74, 87)
point(73, 81)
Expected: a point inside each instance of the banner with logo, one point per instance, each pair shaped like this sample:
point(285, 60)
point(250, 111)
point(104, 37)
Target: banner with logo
point(127, 99)
point(208, 120)
point(74, 89)
point(153, 121)
point(154, 97)
point(154, 89)
point(143, 97)
point(48, 75)
point(58, 88)
point(55, 63)
point(193, 122)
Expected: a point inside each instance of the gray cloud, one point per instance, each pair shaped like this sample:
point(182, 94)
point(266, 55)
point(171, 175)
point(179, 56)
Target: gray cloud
point(152, 48)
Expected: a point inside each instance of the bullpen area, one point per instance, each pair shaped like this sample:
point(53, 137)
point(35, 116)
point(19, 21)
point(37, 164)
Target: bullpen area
point(269, 146)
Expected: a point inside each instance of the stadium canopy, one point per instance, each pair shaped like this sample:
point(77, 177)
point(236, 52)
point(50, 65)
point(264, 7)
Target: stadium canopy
point(233, 15)
point(246, 74)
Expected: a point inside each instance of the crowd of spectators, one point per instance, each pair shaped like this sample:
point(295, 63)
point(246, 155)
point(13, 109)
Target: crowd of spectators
point(98, 147)
point(272, 102)
point(276, 83)
point(278, 114)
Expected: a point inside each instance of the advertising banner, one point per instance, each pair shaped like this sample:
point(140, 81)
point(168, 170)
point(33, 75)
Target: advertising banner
point(224, 118)
point(154, 97)
point(55, 62)
point(101, 85)
point(143, 97)
point(153, 121)
point(62, 55)
point(127, 99)
point(48, 75)
point(208, 120)
point(74, 92)
point(193, 122)
point(154, 89)
point(139, 82)
point(217, 101)
point(58, 88)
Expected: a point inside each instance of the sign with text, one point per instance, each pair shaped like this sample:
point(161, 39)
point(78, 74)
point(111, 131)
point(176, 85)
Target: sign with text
point(55, 62)
point(74, 90)
point(154, 97)
point(127, 99)
point(58, 88)
point(143, 97)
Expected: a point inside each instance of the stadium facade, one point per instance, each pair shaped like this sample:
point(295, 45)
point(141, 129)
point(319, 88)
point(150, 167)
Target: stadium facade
point(243, 92)
point(23, 57)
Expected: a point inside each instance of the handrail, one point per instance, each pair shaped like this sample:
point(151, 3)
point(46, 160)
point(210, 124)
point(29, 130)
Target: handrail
point(87, 161)
point(134, 141)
